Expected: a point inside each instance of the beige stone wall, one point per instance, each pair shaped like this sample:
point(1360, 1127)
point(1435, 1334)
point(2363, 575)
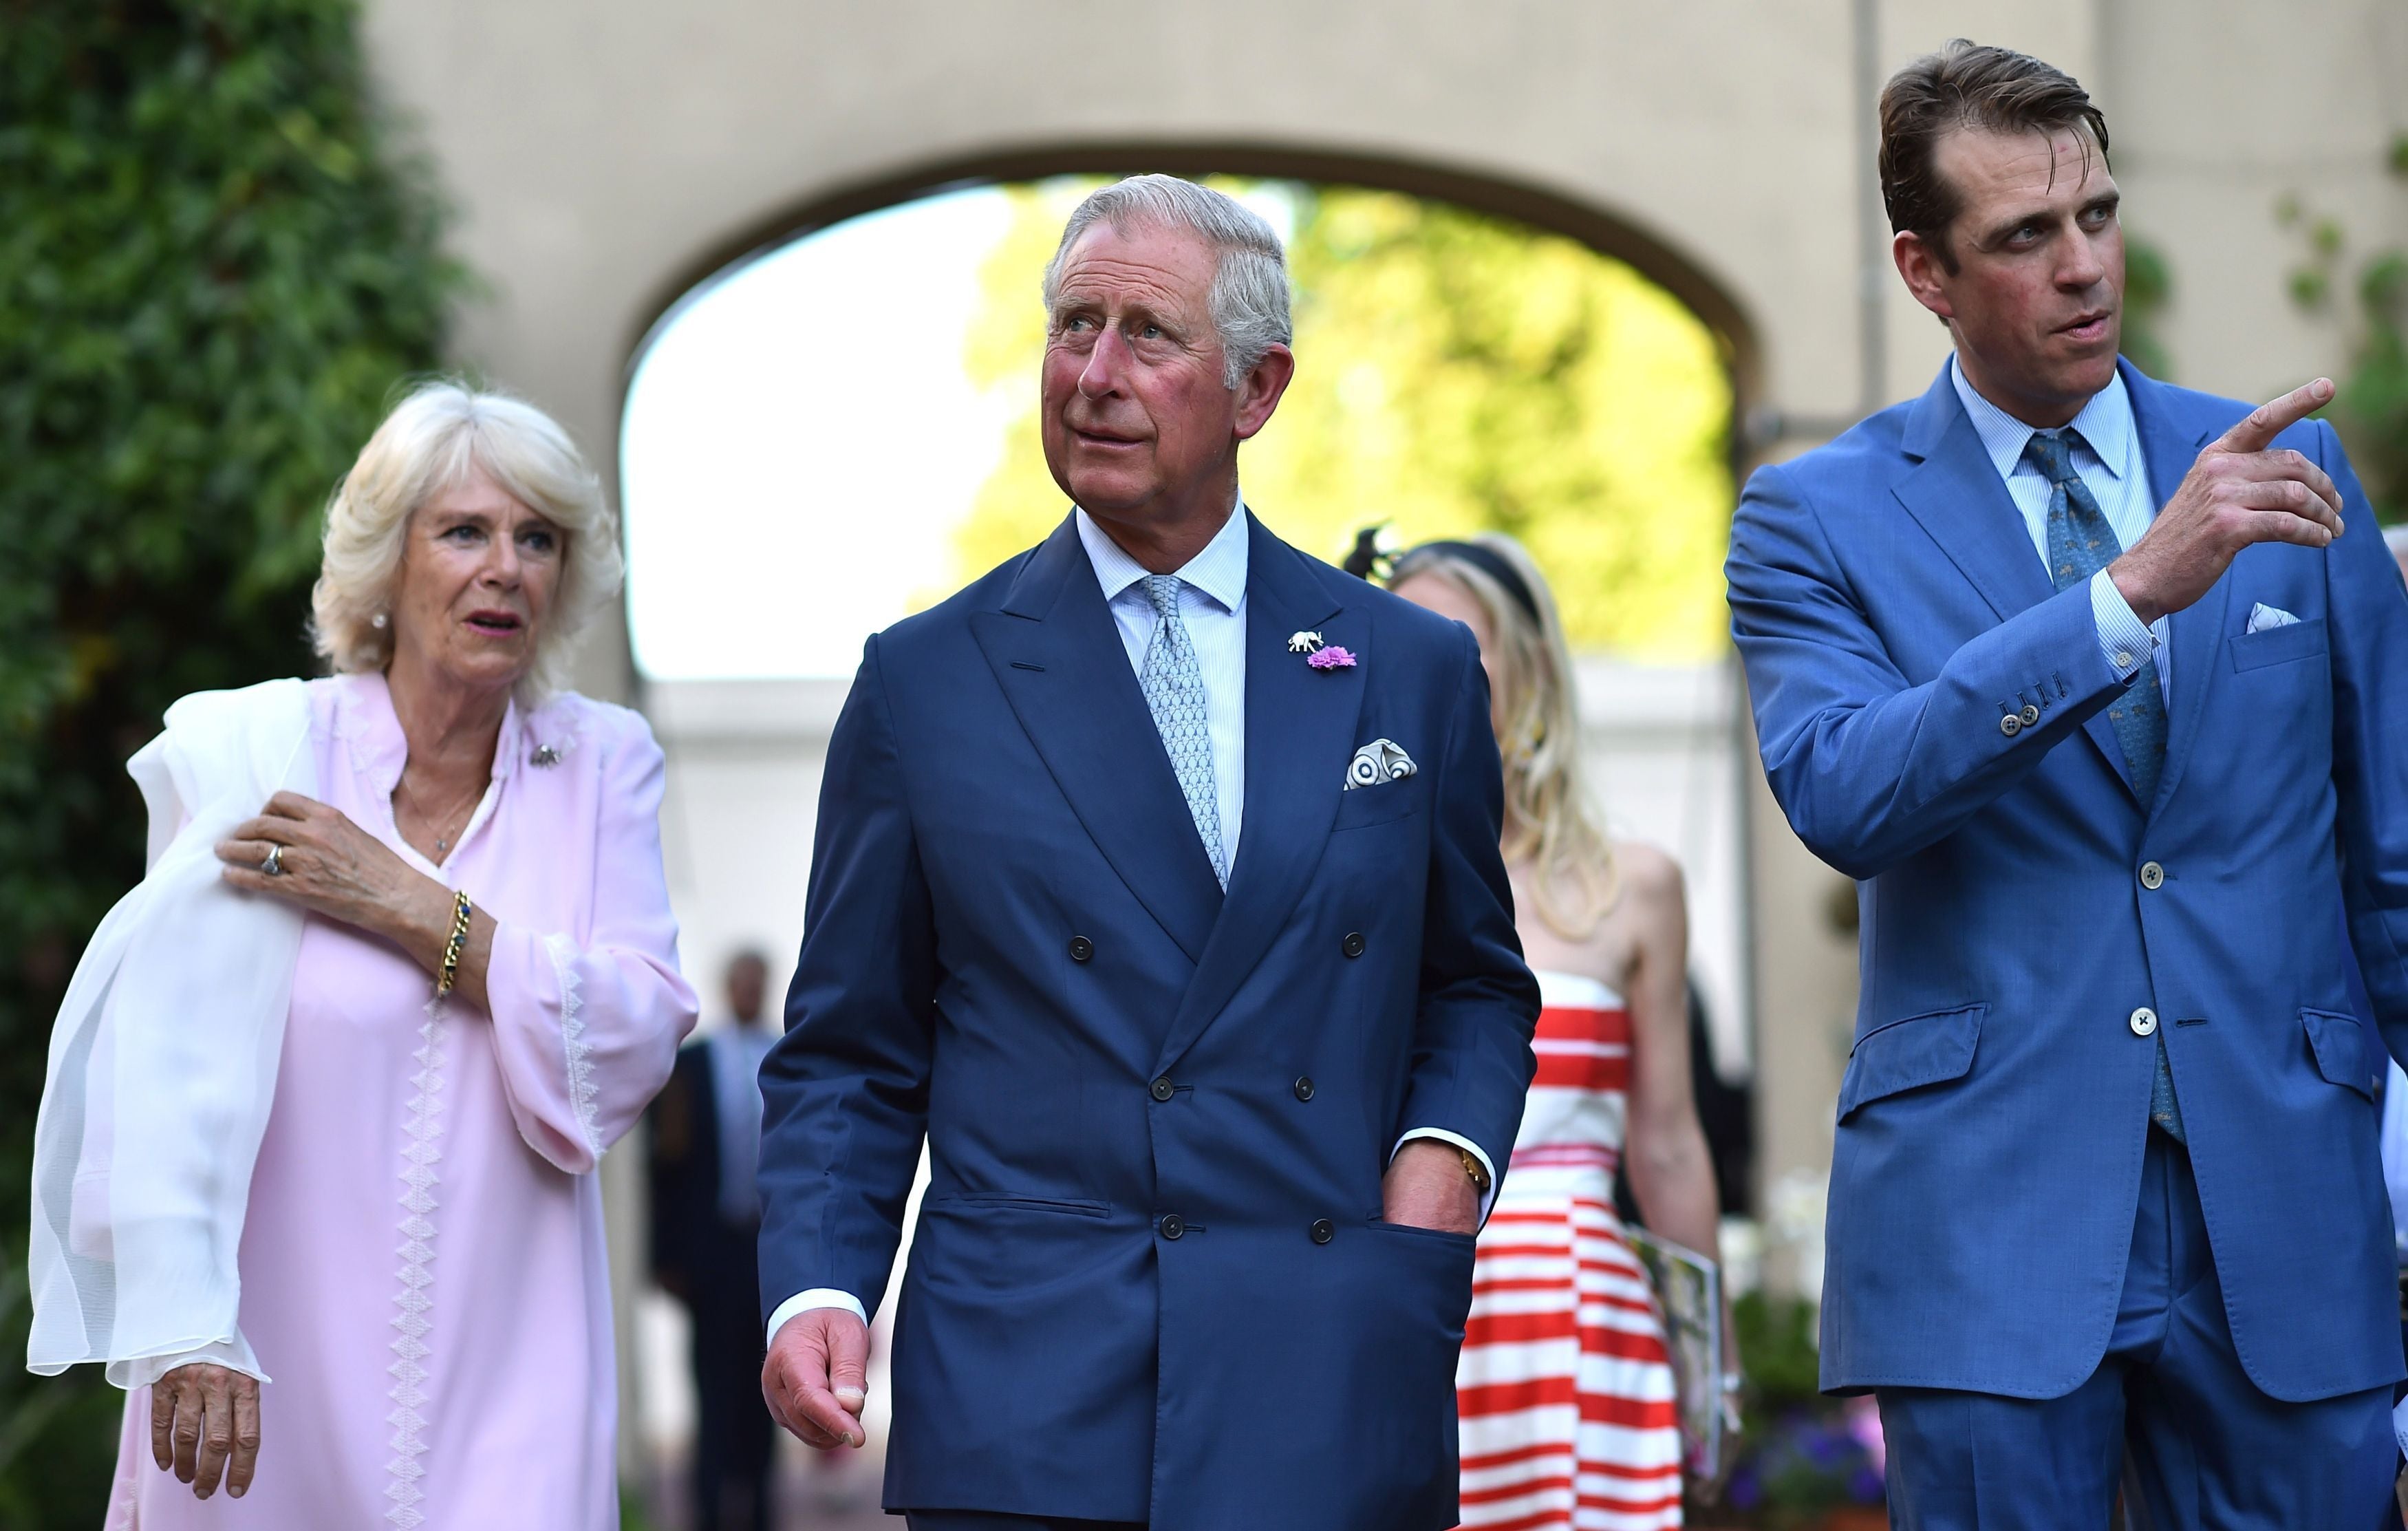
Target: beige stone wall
point(598, 149)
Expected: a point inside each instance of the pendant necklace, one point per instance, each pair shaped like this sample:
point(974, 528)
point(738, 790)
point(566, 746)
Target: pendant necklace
point(442, 841)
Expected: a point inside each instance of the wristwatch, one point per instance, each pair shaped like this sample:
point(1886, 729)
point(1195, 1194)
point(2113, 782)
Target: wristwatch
point(1473, 1167)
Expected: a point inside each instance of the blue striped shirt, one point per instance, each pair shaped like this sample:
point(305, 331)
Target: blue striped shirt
point(2107, 456)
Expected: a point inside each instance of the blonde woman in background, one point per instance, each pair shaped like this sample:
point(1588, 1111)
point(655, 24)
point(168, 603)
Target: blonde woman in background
point(1565, 1388)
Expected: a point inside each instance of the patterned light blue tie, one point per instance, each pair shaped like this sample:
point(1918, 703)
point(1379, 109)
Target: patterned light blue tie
point(2080, 544)
point(1173, 684)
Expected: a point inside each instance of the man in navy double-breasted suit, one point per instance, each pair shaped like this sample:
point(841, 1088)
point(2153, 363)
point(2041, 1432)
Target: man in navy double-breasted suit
point(2100, 690)
point(1157, 887)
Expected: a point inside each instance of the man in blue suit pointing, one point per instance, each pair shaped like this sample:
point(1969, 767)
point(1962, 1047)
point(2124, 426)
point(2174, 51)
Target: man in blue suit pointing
point(2100, 690)
point(1158, 889)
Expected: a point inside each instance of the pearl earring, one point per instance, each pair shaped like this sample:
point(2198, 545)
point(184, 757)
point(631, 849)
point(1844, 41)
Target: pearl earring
point(376, 622)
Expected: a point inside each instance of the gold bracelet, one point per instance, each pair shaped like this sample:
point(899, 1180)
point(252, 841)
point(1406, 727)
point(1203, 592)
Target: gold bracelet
point(449, 973)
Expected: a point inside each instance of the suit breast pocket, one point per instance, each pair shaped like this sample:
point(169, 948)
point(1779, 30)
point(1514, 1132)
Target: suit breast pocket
point(1363, 807)
point(2278, 645)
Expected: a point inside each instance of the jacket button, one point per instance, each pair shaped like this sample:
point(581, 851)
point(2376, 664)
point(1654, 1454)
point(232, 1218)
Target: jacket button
point(2031, 714)
point(2011, 724)
point(1082, 948)
point(1304, 1088)
point(1172, 1225)
point(1353, 943)
point(1162, 1089)
point(2153, 876)
point(1322, 1230)
point(2144, 1022)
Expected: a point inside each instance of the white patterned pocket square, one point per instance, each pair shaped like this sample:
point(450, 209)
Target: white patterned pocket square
point(1380, 761)
point(2263, 617)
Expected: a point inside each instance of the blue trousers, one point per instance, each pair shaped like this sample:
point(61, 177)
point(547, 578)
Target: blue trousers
point(2169, 1411)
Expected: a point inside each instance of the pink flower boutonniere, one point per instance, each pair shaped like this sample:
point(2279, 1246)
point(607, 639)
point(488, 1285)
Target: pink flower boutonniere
point(1331, 658)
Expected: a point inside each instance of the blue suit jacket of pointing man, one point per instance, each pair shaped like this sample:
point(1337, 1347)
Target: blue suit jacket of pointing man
point(1157, 890)
point(2069, 670)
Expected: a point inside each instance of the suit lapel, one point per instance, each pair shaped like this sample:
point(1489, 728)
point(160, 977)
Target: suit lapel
point(1299, 732)
point(2170, 449)
point(1059, 659)
point(1956, 494)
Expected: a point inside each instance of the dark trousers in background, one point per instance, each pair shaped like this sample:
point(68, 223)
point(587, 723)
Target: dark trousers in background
point(979, 1519)
point(2170, 1410)
point(735, 1438)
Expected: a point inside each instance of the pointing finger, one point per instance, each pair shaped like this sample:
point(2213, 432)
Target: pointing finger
point(2268, 421)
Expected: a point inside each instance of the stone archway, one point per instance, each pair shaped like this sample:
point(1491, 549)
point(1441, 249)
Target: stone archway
point(1653, 255)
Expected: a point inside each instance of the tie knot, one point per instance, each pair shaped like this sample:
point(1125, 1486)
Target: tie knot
point(2052, 453)
point(1163, 591)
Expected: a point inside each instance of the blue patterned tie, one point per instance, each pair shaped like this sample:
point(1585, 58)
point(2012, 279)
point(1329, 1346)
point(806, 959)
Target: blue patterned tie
point(2080, 544)
point(1173, 684)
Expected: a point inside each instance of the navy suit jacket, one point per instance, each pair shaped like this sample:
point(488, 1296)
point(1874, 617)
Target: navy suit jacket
point(1892, 614)
point(1150, 1280)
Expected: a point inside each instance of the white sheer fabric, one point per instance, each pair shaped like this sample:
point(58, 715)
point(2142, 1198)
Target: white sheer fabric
point(162, 1062)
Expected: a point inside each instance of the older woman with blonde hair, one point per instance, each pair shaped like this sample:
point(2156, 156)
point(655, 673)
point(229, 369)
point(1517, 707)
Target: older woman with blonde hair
point(1565, 1387)
point(314, 1174)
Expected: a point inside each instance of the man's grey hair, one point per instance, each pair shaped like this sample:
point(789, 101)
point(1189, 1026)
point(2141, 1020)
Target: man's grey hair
point(1248, 300)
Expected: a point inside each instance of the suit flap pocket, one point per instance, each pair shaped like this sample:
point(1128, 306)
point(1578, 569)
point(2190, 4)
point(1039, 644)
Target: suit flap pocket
point(1367, 805)
point(2339, 1043)
point(1904, 1054)
point(2278, 645)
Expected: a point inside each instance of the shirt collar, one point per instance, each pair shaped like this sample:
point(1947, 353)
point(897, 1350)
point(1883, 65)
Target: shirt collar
point(367, 723)
point(2105, 425)
point(1218, 572)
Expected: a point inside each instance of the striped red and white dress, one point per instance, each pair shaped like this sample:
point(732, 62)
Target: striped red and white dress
point(1565, 1387)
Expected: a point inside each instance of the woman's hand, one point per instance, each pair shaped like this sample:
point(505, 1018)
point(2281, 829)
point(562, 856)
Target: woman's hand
point(328, 865)
point(331, 867)
point(205, 1422)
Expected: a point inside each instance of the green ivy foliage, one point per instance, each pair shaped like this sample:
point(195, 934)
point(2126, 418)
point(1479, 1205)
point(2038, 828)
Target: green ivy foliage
point(214, 269)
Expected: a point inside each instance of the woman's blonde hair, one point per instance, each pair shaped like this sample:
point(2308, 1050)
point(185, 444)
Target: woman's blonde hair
point(1549, 819)
point(429, 444)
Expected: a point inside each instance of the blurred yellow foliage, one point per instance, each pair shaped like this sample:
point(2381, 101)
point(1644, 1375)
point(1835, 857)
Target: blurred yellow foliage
point(1456, 373)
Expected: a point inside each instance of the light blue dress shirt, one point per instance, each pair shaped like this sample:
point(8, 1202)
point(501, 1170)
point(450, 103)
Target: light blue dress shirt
point(2107, 456)
point(1212, 603)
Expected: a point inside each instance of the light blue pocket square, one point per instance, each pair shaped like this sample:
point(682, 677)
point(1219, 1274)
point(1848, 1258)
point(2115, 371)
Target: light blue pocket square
point(2263, 617)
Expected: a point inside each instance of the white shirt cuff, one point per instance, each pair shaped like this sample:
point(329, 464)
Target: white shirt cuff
point(143, 1371)
point(1487, 1197)
point(2124, 641)
point(818, 1296)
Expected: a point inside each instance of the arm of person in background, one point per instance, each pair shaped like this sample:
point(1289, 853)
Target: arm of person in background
point(669, 1172)
point(1672, 1173)
point(845, 1093)
point(1870, 769)
point(1472, 1062)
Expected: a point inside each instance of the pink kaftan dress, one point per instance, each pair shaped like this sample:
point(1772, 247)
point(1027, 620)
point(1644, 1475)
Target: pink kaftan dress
point(423, 1272)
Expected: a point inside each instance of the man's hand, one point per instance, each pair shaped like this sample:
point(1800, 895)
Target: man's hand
point(2238, 493)
point(1426, 1187)
point(813, 1378)
point(205, 1422)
